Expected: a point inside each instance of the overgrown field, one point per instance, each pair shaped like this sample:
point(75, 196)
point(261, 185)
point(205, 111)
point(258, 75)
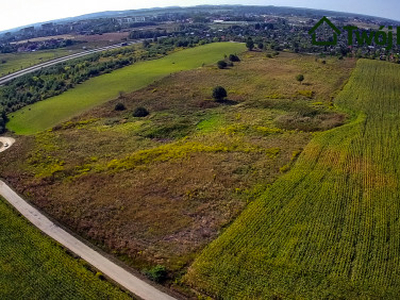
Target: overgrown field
point(330, 228)
point(32, 266)
point(156, 190)
point(45, 114)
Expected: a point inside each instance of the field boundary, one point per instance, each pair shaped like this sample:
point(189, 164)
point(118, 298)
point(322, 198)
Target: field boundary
point(6, 78)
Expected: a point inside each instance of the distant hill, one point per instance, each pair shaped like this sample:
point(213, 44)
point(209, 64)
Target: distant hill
point(276, 10)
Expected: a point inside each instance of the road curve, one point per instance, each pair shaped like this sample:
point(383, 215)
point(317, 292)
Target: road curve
point(9, 77)
point(6, 142)
point(129, 281)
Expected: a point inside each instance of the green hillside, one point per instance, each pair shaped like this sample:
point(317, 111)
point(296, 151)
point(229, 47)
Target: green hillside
point(45, 114)
point(329, 228)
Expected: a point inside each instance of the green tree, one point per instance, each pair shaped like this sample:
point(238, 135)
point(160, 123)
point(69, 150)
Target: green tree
point(250, 44)
point(3, 120)
point(219, 93)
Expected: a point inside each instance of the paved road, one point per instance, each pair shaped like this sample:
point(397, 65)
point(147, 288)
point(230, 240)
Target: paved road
point(132, 283)
point(17, 74)
point(6, 143)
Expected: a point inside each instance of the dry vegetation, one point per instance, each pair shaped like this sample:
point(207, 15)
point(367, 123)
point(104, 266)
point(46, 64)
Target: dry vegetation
point(156, 190)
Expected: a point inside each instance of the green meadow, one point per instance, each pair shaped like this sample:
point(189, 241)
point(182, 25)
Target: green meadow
point(45, 114)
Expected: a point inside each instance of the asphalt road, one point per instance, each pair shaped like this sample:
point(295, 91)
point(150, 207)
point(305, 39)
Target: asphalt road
point(126, 279)
point(9, 77)
point(5, 143)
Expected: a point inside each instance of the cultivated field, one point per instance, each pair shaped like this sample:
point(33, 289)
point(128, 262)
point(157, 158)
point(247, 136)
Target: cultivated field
point(36, 118)
point(330, 228)
point(157, 190)
point(32, 266)
point(12, 62)
point(111, 37)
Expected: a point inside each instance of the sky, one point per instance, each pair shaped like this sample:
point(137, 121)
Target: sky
point(15, 13)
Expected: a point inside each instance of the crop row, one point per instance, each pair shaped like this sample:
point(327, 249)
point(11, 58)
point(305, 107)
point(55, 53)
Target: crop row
point(330, 227)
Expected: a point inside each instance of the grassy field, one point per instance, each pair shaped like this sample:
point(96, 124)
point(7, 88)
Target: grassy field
point(32, 266)
point(328, 229)
point(12, 62)
point(157, 190)
point(45, 114)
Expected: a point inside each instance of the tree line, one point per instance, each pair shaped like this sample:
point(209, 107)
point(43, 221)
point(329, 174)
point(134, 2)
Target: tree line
point(57, 79)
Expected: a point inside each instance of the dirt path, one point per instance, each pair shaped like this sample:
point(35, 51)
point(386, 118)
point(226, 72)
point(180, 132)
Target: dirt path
point(132, 283)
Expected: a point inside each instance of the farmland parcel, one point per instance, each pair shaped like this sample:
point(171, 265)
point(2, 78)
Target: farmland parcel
point(329, 228)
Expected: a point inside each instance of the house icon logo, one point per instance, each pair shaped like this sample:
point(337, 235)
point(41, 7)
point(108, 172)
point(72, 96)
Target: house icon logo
point(313, 30)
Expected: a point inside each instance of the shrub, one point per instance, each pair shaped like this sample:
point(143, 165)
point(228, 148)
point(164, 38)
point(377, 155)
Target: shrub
point(140, 112)
point(119, 107)
point(100, 276)
point(222, 64)
point(234, 58)
point(219, 93)
point(157, 273)
point(300, 78)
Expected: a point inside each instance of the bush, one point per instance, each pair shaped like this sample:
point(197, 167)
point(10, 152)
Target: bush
point(157, 274)
point(219, 93)
point(300, 78)
point(234, 58)
point(140, 112)
point(100, 276)
point(119, 107)
point(222, 64)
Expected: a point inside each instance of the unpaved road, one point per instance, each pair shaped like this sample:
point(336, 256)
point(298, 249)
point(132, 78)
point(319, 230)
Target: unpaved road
point(132, 283)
